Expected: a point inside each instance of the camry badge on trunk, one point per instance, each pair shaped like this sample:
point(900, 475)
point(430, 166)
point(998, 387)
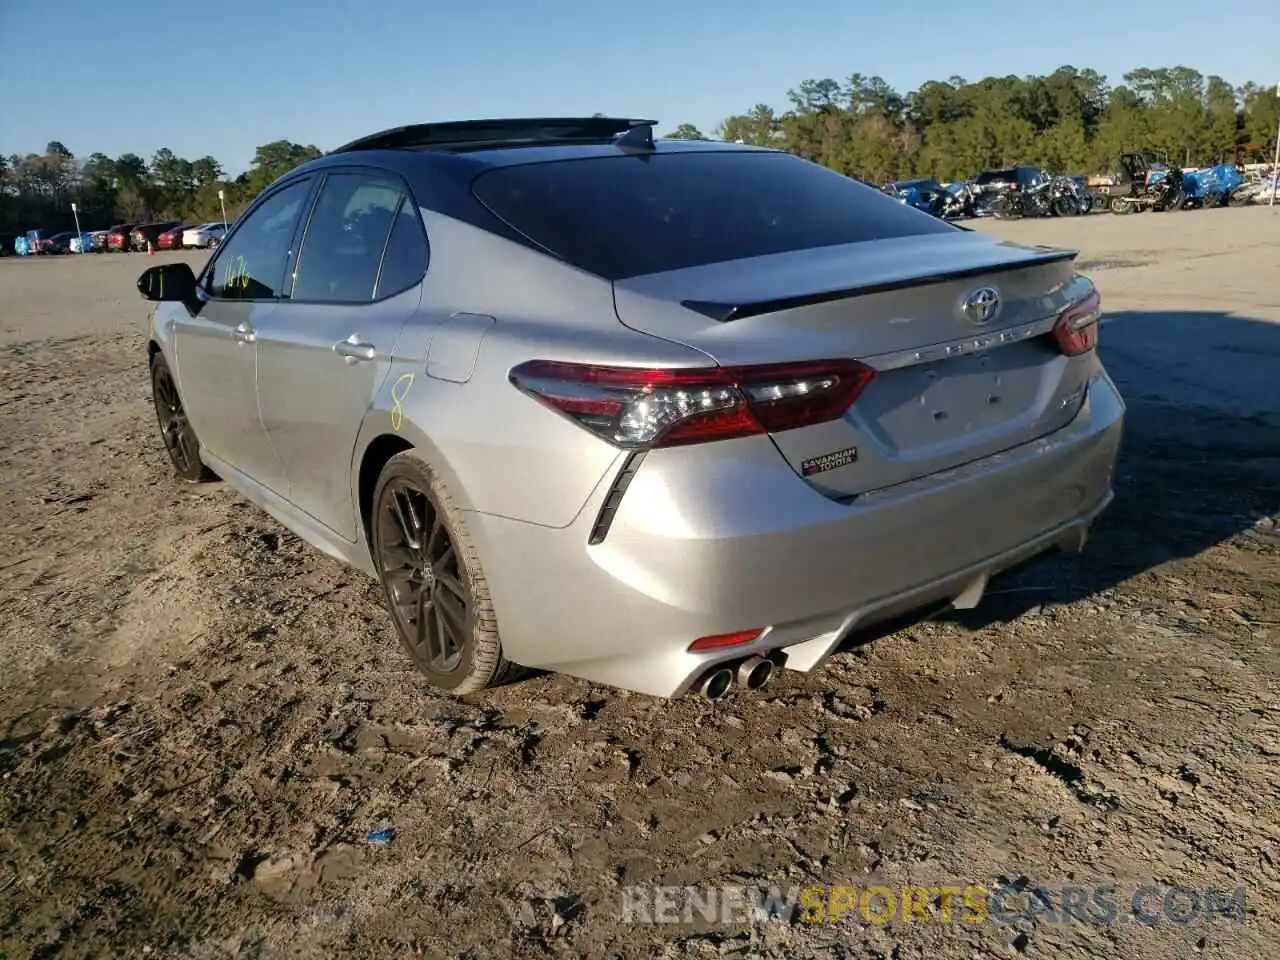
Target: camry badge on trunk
point(981, 305)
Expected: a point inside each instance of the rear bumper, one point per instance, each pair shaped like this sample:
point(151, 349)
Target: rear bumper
point(706, 545)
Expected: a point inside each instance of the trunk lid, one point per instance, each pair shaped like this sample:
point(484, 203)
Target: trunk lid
point(952, 385)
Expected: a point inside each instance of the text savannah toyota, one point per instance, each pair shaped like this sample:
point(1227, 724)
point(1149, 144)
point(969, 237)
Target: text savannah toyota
point(660, 414)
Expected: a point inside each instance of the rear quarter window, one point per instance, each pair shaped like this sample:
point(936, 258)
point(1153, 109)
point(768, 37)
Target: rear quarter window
point(628, 216)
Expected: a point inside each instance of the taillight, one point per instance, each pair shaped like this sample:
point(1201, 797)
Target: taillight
point(633, 407)
point(1077, 329)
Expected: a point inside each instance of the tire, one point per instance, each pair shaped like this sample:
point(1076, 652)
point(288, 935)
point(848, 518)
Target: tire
point(180, 440)
point(213, 243)
point(413, 524)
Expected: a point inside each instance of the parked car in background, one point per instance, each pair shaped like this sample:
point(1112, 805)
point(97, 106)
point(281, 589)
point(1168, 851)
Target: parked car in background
point(118, 237)
point(80, 242)
point(59, 242)
point(923, 194)
point(740, 403)
point(205, 235)
point(146, 233)
point(172, 239)
point(37, 241)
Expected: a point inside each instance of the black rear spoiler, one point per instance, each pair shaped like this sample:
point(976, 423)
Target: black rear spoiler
point(478, 134)
point(725, 312)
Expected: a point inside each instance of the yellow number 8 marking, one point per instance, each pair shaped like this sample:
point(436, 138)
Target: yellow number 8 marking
point(399, 390)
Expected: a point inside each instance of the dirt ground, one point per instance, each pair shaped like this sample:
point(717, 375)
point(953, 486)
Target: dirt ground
point(201, 718)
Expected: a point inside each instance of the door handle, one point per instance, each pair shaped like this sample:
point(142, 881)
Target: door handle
point(353, 349)
point(244, 333)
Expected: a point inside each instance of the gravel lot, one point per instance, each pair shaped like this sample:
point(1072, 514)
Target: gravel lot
point(201, 718)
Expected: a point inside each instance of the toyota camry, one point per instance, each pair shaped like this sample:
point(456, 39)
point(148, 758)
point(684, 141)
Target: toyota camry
point(661, 414)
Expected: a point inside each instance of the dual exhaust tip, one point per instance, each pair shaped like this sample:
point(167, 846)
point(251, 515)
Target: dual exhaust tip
point(751, 672)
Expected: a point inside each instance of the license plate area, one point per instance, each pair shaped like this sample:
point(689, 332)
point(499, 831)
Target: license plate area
point(945, 401)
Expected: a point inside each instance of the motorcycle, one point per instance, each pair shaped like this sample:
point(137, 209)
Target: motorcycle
point(1256, 188)
point(1144, 183)
point(1043, 197)
point(958, 201)
point(1084, 196)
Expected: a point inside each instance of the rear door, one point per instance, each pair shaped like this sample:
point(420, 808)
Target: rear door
point(764, 258)
point(323, 354)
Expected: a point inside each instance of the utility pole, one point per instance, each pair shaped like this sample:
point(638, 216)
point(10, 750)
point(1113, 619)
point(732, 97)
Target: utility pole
point(1275, 161)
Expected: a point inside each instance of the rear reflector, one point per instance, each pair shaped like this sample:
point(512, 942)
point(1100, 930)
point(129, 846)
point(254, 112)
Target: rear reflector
point(1077, 329)
point(638, 408)
point(721, 640)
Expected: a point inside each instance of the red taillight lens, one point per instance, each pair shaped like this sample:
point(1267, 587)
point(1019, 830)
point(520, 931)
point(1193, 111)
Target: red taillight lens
point(1077, 329)
point(632, 407)
point(721, 640)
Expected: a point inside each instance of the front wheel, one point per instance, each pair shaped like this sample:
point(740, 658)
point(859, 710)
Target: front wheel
point(432, 580)
point(213, 243)
point(179, 436)
point(1064, 207)
point(1119, 206)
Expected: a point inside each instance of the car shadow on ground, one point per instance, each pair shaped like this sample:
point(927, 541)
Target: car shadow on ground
point(1200, 461)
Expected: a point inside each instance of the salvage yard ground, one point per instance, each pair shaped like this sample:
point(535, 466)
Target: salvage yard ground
point(201, 718)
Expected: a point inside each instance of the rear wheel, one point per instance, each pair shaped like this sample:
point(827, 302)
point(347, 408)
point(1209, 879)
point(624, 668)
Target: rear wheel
point(431, 577)
point(179, 436)
point(213, 243)
point(1119, 206)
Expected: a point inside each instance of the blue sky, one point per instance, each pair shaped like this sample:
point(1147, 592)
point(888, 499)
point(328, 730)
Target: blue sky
point(220, 77)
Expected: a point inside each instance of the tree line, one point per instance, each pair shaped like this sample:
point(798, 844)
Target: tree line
point(37, 189)
point(1070, 121)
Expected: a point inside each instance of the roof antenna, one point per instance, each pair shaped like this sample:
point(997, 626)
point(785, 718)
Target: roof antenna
point(638, 139)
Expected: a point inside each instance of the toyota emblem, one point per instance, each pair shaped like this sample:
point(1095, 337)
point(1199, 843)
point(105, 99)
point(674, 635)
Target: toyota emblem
point(981, 305)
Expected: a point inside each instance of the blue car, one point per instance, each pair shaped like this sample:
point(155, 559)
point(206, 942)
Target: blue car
point(926, 195)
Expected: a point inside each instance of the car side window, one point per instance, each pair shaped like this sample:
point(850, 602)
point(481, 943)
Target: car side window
point(405, 260)
point(251, 264)
point(345, 237)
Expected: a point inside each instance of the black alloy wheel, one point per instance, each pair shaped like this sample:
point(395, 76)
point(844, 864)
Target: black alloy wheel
point(425, 579)
point(179, 436)
point(433, 581)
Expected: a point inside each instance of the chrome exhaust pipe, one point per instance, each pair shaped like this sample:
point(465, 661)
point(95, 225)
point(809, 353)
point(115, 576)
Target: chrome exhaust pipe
point(715, 683)
point(755, 672)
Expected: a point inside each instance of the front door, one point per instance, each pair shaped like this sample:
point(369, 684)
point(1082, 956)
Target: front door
point(216, 344)
point(323, 354)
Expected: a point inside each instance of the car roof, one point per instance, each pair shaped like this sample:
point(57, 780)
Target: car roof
point(439, 162)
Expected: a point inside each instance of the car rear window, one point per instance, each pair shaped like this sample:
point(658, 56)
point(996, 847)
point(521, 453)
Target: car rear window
point(627, 216)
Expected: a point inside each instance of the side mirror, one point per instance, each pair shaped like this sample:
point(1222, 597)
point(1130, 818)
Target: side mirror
point(169, 281)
